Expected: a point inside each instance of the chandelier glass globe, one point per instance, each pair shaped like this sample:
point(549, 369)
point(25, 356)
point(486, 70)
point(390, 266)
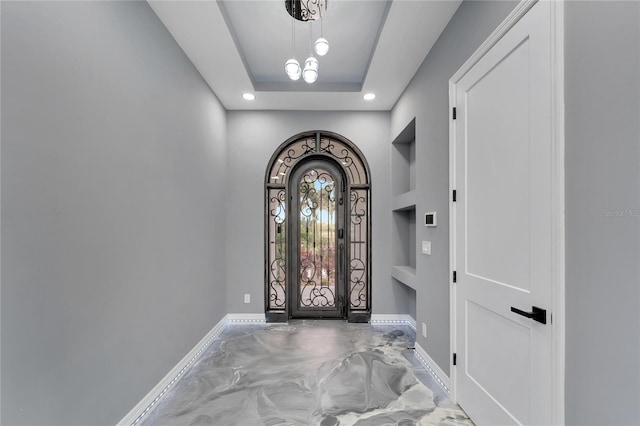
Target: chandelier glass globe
point(292, 68)
point(321, 46)
point(310, 72)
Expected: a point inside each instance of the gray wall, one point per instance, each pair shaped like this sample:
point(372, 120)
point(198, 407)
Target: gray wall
point(602, 48)
point(113, 169)
point(427, 99)
point(253, 138)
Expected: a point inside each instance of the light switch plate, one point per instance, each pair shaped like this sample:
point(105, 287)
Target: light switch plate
point(426, 247)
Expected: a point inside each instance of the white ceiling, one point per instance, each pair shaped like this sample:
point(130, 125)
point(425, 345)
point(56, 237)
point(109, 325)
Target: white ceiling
point(241, 46)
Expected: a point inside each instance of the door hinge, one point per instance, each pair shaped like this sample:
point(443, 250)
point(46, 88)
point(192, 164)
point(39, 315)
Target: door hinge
point(455, 196)
point(455, 277)
point(454, 113)
point(455, 359)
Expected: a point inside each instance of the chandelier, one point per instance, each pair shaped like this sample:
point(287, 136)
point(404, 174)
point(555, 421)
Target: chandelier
point(306, 11)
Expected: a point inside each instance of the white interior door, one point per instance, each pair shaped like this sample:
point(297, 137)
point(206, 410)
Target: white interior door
point(503, 232)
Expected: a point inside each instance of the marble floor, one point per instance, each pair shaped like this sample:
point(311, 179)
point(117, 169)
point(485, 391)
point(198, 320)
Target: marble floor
point(324, 373)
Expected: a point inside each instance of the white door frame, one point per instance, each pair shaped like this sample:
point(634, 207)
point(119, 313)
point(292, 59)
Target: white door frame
point(558, 198)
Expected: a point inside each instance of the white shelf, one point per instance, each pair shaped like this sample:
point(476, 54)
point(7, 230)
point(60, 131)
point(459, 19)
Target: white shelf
point(404, 201)
point(405, 274)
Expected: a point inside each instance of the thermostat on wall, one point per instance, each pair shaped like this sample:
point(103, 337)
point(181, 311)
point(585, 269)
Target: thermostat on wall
point(430, 219)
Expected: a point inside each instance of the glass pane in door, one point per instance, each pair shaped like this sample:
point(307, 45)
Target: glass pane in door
point(317, 251)
point(277, 249)
point(359, 247)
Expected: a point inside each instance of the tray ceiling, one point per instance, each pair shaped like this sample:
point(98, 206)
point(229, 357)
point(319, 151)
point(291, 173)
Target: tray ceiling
point(241, 46)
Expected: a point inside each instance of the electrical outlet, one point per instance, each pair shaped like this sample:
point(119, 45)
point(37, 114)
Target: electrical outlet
point(247, 298)
point(424, 330)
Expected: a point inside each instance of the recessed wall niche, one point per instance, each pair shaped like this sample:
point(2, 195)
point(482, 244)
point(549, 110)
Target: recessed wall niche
point(403, 181)
point(403, 160)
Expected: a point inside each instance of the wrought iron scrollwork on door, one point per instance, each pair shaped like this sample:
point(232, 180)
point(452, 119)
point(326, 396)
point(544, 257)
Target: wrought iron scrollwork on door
point(318, 290)
point(317, 218)
point(359, 264)
point(277, 280)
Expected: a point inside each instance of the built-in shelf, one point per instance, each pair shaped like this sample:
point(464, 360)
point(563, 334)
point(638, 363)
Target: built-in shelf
point(403, 160)
point(403, 239)
point(404, 201)
point(405, 274)
point(403, 207)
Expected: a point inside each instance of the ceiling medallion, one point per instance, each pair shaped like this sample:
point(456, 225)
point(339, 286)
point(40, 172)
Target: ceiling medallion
point(306, 11)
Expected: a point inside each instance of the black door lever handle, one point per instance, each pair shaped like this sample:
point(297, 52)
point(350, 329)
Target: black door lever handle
point(536, 314)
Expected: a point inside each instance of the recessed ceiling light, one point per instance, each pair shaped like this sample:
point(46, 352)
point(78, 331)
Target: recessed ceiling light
point(248, 96)
point(369, 96)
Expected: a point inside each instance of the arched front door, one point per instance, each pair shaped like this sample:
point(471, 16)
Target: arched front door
point(317, 241)
point(318, 230)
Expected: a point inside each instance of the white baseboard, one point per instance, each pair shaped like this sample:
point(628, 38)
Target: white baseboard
point(244, 318)
point(160, 390)
point(393, 319)
point(435, 371)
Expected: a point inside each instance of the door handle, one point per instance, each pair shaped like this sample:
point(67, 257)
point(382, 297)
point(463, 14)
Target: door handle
point(536, 314)
point(340, 256)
